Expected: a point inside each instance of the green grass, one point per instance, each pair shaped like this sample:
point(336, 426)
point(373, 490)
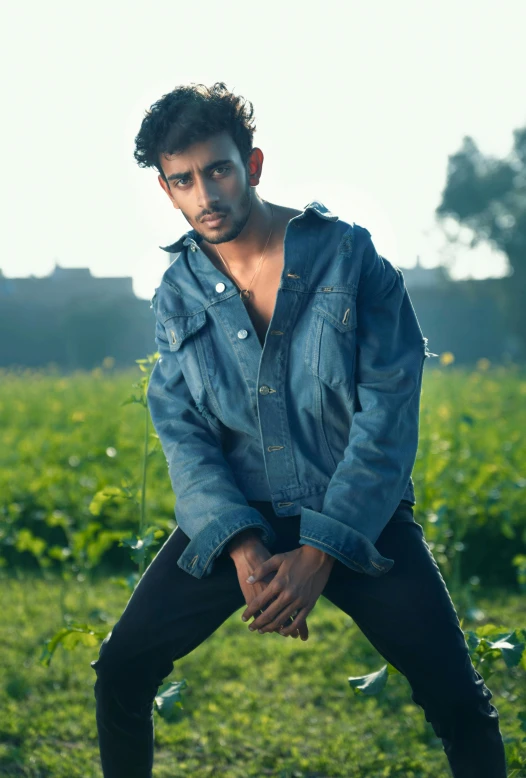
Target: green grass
point(63, 439)
point(255, 705)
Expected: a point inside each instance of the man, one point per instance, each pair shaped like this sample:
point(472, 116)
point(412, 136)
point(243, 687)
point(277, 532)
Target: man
point(286, 399)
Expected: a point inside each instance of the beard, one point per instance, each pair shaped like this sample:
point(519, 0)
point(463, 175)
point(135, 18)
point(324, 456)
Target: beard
point(231, 231)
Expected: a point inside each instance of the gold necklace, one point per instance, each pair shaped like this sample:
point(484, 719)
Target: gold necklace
point(245, 293)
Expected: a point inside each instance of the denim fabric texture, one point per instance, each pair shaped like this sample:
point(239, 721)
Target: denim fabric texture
point(321, 421)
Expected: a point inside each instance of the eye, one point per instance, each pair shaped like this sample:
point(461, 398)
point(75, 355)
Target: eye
point(183, 180)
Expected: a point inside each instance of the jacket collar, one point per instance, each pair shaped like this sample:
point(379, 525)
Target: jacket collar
point(193, 237)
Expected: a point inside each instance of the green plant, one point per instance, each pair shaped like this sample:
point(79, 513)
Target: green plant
point(492, 649)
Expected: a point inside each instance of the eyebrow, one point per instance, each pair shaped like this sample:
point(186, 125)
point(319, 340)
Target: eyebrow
point(211, 166)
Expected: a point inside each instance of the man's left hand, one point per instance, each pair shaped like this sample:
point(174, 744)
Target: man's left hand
point(300, 578)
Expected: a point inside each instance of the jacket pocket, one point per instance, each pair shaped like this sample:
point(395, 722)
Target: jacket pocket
point(331, 339)
point(179, 327)
point(188, 335)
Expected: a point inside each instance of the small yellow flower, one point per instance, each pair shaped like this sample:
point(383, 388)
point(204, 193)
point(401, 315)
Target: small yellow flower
point(108, 362)
point(446, 358)
point(483, 364)
point(444, 412)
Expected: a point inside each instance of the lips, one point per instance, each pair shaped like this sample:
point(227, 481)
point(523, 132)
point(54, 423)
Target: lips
point(214, 218)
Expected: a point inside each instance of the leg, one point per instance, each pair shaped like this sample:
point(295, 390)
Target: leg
point(409, 617)
point(168, 615)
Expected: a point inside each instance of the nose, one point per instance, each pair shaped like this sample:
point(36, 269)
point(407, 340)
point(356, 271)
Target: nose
point(207, 199)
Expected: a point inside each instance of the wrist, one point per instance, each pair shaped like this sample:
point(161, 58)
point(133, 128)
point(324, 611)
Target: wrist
point(244, 542)
point(317, 553)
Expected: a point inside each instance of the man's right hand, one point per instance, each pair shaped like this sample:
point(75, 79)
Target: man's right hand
point(248, 553)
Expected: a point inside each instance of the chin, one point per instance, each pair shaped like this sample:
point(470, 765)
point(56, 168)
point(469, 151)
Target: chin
point(221, 235)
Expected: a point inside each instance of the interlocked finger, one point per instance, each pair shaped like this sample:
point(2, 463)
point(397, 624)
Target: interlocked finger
point(286, 623)
point(294, 620)
point(286, 620)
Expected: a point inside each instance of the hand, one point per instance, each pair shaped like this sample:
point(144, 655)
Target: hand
point(248, 560)
point(300, 578)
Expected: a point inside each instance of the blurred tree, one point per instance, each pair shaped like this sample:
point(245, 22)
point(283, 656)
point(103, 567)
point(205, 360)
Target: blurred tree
point(488, 195)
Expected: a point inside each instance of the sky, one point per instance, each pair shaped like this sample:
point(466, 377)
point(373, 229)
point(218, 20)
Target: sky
point(357, 105)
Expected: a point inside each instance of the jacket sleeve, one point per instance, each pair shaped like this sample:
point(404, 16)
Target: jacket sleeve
point(370, 480)
point(209, 507)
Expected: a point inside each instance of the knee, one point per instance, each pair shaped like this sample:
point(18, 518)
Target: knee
point(100, 665)
point(118, 666)
point(462, 703)
point(120, 689)
point(113, 664)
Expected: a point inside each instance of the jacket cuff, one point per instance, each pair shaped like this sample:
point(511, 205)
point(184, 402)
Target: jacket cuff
point(344, 543)
point(197, 558)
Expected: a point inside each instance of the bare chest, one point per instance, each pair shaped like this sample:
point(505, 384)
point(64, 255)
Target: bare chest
point(263, 289)
point(264, 285)
point(263, 292)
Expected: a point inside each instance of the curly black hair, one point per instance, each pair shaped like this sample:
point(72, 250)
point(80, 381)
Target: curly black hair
point(190, 114)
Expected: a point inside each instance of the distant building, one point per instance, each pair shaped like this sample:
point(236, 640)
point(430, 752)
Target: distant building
point(421, 277)
point(64, 283)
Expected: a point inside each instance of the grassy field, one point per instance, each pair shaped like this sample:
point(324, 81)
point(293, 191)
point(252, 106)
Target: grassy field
point(71, 478)
point(64, 439)
point(255, 705)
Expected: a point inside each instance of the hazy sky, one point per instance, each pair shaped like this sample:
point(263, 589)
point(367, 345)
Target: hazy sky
point(357, 105)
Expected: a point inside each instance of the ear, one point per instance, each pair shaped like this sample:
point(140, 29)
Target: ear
point(255, 166)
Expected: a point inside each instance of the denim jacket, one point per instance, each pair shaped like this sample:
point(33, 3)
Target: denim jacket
point(321, 421)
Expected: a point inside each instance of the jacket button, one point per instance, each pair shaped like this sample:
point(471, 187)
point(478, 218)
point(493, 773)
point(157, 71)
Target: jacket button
point(264, 389)
point(220, 287)
point(193, 247)
point(242, 334)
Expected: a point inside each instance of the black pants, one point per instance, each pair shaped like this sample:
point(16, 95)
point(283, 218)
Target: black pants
point(407, 614)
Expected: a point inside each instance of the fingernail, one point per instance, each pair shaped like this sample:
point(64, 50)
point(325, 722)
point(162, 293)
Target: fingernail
point(244, 618)
point(250, 579)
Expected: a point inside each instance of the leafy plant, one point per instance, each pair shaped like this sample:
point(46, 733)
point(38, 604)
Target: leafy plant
point(492, 648)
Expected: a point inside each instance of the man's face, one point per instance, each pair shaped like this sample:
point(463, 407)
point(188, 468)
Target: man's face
point(208, 178)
